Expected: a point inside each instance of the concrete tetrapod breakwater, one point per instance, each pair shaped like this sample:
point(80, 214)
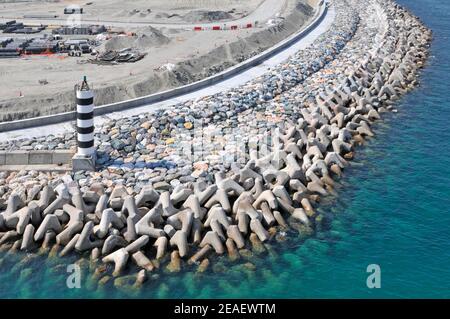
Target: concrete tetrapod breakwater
point(120, 216)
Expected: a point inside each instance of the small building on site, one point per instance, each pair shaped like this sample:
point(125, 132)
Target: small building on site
point(81, 44)
point(73, 9)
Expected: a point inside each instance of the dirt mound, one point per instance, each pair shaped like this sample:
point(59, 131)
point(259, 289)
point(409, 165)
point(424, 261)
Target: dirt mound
point(206, 16)
point(144, 39)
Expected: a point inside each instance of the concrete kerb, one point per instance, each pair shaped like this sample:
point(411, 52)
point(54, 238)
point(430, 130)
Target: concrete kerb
point(62, 156)
point(173, 93)
point(17, 158)
point(35, 157)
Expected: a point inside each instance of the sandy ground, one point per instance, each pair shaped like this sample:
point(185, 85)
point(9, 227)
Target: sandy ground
point(157, 11)
point(195, 54)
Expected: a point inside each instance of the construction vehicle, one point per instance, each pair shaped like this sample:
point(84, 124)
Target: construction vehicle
point(82, 45)
point(56, 37)
point(74, 50)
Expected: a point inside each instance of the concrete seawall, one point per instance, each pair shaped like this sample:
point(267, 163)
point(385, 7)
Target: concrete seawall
point(321, 13)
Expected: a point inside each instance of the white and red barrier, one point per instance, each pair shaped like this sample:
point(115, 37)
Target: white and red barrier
point(226, 27)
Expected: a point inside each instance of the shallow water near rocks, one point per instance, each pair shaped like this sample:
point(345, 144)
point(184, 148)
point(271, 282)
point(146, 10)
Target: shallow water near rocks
point(392, 209)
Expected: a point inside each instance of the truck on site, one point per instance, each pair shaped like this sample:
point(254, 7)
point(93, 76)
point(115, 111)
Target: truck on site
point(75, 51)
point(56, 37)
point(80, 44)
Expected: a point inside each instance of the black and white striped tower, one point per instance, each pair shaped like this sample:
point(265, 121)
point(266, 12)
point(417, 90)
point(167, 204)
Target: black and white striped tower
point(84, 159)
point(85, 120)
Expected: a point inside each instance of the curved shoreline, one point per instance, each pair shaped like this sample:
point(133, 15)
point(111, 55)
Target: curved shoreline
point(310, 150)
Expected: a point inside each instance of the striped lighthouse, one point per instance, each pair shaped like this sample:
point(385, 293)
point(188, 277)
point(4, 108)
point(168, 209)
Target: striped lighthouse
point(85, 119)
point(84, 159)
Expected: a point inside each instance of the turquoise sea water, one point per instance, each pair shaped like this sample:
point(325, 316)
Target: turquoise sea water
point(393, 210)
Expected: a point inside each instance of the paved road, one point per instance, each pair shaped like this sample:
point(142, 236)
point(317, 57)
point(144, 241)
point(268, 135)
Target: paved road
point(264, 12)
point(234, 81)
